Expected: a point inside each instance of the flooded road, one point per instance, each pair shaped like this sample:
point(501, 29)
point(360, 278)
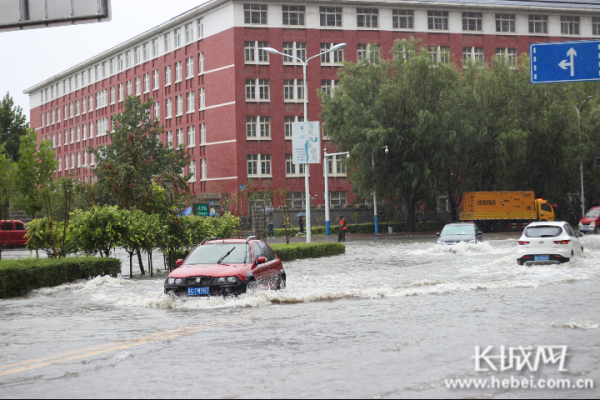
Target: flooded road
point(388, 319)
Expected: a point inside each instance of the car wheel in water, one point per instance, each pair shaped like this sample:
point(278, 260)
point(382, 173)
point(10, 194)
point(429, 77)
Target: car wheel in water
point(282, 283)
point(597, 230)
point(251, 285)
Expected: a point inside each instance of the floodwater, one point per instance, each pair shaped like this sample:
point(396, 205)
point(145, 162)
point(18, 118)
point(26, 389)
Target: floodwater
point(388, 319)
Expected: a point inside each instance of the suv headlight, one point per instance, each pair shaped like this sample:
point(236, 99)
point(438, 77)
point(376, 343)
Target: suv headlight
point(593, 224)
point(226, 281)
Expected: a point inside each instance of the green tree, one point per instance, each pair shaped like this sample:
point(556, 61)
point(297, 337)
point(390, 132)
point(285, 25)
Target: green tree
point(13, 125)
point(7, 188)
point(403, 104)
point(98, 230)
point(136, 157)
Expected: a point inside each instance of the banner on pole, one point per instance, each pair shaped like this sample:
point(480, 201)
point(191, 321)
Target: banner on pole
point(306, 142)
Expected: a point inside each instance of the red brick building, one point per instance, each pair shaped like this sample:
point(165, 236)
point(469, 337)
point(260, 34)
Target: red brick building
point(232, 104)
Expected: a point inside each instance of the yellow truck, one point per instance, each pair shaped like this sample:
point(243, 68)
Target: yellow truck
point(499, 211)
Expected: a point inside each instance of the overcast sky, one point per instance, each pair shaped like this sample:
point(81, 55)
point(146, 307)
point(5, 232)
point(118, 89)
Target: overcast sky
point(32, 56)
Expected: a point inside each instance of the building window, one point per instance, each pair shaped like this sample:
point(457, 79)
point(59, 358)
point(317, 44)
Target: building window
point(331, 58)
point(179, 100)
point(509, 54)
point(156, 110)
point(473, 54)
point(364, 50)
point(296, 200)
point(596, 26)
point(77, 110)
point(71, 112)
point(569, 25)
point(72, 136)
point(293, 15)
point(189, 68)
point(112, 66)
point(167, 41)
point(191, 107)
point(113, 95)
point(294, 49)
point(85, 129)
point(78, 137)
point(200, 28)
point(180, 141)
point(192, 171)
point(178, 72)
point(154, 47)
point(137, 53)
point(204, 170)
point(146, 83)
point(257, 90)
point(367, 17)
point(177, 38)
point(169, 139)
point(254, 53)
point(331, 16)
point(169, 106)
point(91, 130)
point(262, 170)
point(293, 90)
point(328, 85)
point(293, 170)
point(200, 63)
point(156, 79)
point(472, 22)
point(437, 20)
point(120, 92)
point(404, 19)
point(258, 128)
point(337, 199)
point(83, 107)
point(189, 33)
point(440, 54)
point(506, 23)
point(202, 94)
point(91, 102)
point(191, 136)
point(168, 76)
point(252, 163)
point(203, 134)
point(138, 86)
point(129, 88)
point(336, 166)
point(255, 14)
point(538, 24)
point(146, 51)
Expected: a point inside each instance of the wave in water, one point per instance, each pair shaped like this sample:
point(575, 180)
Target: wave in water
point(583, 325)
point(461, 249)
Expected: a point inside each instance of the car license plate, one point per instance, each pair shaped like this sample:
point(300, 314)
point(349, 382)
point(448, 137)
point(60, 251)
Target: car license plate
point(542, 258)
point(198, 291)
point(584, 229)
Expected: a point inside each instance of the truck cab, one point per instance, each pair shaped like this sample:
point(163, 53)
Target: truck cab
point(545, 210)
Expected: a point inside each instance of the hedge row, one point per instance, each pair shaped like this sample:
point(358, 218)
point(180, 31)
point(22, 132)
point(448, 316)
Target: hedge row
point(18, 277)
point(369, 228)
point(290, 252)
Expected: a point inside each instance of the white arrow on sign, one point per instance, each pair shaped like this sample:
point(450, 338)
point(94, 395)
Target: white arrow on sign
point(565, 63)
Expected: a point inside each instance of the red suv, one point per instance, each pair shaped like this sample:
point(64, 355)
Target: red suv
point(227, 267)
point(591, 221)
point(12, 233)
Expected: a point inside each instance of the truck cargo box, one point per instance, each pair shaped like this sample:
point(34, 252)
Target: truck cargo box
point(479, 206)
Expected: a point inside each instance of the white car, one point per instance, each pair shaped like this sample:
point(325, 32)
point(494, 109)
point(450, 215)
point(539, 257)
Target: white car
point(548, 243)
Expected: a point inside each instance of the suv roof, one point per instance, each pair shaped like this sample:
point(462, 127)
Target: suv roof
point(547, 223)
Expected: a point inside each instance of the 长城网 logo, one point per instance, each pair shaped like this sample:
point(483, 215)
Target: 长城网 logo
point(520, 358)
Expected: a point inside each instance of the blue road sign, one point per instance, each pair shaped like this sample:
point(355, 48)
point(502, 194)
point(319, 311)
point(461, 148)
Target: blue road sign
point(565, 62)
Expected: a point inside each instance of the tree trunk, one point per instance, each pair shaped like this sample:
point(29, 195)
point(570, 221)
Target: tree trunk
point(131, 265)
point(454, 200)
point(139, 254)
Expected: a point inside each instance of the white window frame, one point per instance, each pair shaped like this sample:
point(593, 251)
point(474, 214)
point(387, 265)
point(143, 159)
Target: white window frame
point(192, 171)
point(333, 57)
point(167, 42)
point(191, 132)
point(177, 38)
point(472, 20)
point(510, 54)
point(254, 53)
point(169, 109)
point(189, 68)
point(403, 17)
point(440, 54)
point(506, 23)
point(201, 64)
point(202, 134)
point(179, 105)
point(258, 128)
point(189, 33)
point(293, 170)
point(331, 17)
point(168, 75)
point(287, 125)
point(157, 110)
point(156, 79)
point(294, 49)
point(180, 138)
point(112, 95)
point(138, 86)
point(121, 90)
point(595, 26)
point(200, 26)
point(147, 83)
point(202, 99)
point(204, 171)
point(170, 142)
point(438, 21)
point(367, 18)
point(293, 15)
point(178, 71)
point(538, 24)
point(336, 163)
point(191, 102)
point(570, 23)
point(297, 88)
point(474, 54)
point(255, 14)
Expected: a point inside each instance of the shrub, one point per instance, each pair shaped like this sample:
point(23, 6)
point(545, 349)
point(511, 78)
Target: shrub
point(18, 277)
point(290, 252)
point(356, 229)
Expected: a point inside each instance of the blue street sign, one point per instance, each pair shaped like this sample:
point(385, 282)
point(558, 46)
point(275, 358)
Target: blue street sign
point(565, 62)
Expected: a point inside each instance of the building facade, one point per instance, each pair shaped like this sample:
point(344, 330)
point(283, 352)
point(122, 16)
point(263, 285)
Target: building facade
point(231, 104)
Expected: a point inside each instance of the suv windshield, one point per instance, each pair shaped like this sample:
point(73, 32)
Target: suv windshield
point(213, 253)
point(459, 230)
point(543, 231)
point(593, 214)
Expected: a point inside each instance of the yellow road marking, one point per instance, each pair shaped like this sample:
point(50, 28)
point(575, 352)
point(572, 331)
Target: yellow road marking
point(108, 348)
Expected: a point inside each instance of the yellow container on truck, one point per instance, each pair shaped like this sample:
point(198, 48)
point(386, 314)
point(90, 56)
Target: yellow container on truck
point(497, 211)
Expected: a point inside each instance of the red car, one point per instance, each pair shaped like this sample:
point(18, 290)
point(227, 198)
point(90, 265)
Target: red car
point(591, 222)
point(12, 233)
point(227, 267)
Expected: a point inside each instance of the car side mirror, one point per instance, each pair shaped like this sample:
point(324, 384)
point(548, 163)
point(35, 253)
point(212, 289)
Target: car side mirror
point(437, 234)
point(261, 260)
point(179, 262)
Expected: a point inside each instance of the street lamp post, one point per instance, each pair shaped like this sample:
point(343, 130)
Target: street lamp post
point(326, 167)
point(581, 155)
point(387, 150)
point(307, 166)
